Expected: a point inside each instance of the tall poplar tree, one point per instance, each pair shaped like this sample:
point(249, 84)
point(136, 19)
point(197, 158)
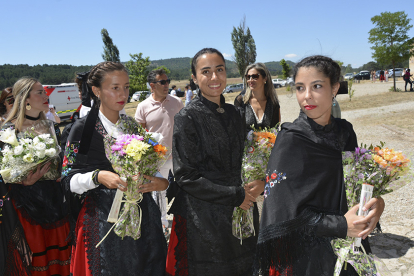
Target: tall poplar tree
point(244, 46)
point(111, 52)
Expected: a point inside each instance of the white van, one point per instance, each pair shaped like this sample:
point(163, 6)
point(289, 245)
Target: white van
point(65, 98)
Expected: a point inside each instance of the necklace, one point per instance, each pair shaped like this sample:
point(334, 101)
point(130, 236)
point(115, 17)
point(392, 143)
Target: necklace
point(220, 110)
point(32, 118)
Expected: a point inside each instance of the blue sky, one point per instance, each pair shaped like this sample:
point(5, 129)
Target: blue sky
point(68, 32)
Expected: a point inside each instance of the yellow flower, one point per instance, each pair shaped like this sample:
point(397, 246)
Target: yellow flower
point(136, 149)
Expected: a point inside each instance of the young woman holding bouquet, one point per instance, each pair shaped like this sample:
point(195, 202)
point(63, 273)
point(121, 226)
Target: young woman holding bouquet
point(91, 183)
point(208, 144)
point(260, 106)
point(40, 206)
point(307, 209)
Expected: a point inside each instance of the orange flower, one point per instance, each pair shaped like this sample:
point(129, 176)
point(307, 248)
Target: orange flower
point(271, 137)
point(160, 149)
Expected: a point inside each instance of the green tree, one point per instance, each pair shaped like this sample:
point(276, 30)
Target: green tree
point(138, 71)
point(349, 69)
point(244, 46)
point(391, 44)
point(285, 69)
point(111, 52)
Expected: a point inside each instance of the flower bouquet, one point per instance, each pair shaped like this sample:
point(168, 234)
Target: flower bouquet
point(23, 152)
point(378, 167)
point(132, 156)
point(257, 149)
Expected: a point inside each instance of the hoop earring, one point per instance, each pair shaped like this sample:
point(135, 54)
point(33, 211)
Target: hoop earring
point(28, 106)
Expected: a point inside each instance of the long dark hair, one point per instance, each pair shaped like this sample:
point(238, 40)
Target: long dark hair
point(4, 94)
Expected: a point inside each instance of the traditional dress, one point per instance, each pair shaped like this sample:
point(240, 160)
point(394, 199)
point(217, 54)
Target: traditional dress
point(207, 152)
point(115, 256)
point(41, 212)
point(305, 199)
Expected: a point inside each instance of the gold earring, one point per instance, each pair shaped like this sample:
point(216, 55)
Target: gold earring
point(28, 106)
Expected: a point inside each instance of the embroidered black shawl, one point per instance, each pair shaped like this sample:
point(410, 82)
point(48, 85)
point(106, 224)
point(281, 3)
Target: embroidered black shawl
point(304, 187)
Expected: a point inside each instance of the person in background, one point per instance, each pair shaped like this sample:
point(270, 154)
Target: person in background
point(91, 177)
point(156, 114)
point(208, 144)
point(382, 75)
point(259, 103)
point(386, 75)
point(306, 205)
point(188, 94)
point(51, 114)
point(173, 92)
point(6, 103)
point(407, 79)
point(40, 205)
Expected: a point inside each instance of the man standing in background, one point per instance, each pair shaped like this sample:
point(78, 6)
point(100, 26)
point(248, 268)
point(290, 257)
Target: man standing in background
point(156, 114)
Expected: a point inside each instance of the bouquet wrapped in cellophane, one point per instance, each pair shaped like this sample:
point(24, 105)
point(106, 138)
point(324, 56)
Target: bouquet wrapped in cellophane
point(133, 153)
point(257, 149)
point(378, 167)
point(24, 151)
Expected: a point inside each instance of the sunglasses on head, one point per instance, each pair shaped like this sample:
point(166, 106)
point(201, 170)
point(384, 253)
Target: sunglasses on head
point(163, 82)
point(253, 76)
point(9, 100)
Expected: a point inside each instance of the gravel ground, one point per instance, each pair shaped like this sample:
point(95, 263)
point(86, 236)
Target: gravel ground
point(395, 245)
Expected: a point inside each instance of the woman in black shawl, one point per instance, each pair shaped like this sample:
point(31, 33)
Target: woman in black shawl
point(90, 184)
point(305, 205)
point(208, 143)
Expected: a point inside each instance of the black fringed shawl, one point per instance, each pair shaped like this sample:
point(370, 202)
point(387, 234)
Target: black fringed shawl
point(304, 185)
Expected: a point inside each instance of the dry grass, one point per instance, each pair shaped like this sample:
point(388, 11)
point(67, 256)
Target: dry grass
point(378, 100)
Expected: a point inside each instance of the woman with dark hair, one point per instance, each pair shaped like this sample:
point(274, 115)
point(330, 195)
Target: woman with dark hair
point(6, 103)
point(306, 205)
point(208, 143)
point(90, 183)
point(39, 204)
point(259, 103)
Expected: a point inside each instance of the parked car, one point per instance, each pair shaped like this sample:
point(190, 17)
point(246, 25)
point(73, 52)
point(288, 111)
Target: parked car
point(398, 72)
point(290, 82)
point(141, 95)
point(377, 74)
point(348, 76)
point(363, 75)
point(233, 88)
point(278, 82)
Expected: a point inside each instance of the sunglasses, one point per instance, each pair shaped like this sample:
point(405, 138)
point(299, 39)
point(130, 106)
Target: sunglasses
point(9, 100)
point(253, 76)
point(163, 82)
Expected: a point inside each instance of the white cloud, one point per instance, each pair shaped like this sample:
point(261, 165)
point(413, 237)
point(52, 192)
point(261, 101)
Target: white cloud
point(291, 55)
point(227, 55)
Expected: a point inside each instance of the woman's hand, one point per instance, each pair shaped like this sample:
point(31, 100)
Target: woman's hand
point(112, 180)
point(255, 188)
point(248, 201)
point(376, 207)
point(354, 229)
point(155, 184)
point(34, 176)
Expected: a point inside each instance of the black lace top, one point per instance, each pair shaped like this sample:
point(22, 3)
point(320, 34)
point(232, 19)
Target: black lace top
point(207, 154)
point(270, 117)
